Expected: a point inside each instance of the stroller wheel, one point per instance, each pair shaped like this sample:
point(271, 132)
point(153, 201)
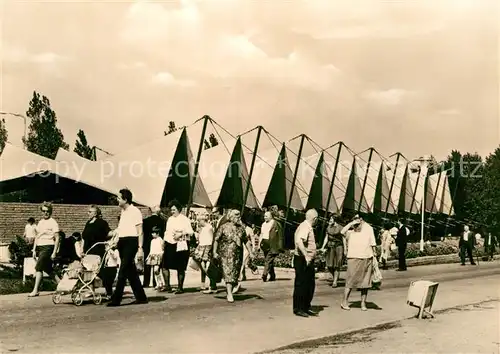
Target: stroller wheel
point(77, 299)
point(97, 299)
point(56, 298)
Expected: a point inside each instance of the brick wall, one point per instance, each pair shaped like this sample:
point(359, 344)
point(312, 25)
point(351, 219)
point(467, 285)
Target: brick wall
point(70, 217)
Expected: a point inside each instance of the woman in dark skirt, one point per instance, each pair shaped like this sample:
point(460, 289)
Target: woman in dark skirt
point(45, 247)
point(334, 246)
point(176, 253)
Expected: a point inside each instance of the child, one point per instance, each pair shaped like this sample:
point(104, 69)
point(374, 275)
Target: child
point(203, 252)
point(155, 257)
point(30, 232)
point(109, 270)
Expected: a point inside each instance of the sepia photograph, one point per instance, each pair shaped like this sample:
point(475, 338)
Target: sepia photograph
point(250, 176)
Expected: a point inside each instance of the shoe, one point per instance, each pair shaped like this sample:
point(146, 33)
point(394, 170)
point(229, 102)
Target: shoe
point(230, 299)
point(473, 264)
point(312, 313)
point(236, 288)
point(300, 314)
point(179, 291)
point(33, 294)
point(264, 279)
point(334, 285)
point(209, 291)
point(140, 302)
point(345, 307)
point(272, 279)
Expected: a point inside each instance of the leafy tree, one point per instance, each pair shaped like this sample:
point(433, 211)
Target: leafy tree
point(465, 179)
point(44, 137)
point(82, 147)
point(3, 135)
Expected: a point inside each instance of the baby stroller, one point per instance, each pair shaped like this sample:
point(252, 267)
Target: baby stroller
point(79, 279)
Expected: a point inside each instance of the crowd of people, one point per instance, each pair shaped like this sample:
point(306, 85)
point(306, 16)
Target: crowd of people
point(220, 245)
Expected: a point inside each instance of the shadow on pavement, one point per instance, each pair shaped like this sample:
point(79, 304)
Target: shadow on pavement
point(319, 308)
point(241, 297)
point(369, 305)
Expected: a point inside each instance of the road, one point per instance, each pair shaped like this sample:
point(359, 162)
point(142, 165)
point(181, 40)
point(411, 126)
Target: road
point(260, 319)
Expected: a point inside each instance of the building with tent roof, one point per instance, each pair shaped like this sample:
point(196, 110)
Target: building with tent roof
point(249, 171)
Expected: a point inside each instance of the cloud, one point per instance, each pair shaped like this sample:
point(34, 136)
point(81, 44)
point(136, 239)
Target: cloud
point(189, 44)
point(450, 112)
point(132, 66)
point(391, 97)
point(167, 79)
point(326, 19)
point(16, 54)
point(47, 58)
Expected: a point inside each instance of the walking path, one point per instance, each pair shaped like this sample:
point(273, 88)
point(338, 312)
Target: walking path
point(260, 319)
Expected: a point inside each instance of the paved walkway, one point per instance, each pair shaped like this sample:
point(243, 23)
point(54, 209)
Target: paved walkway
point(466, 329)
point(261, 318)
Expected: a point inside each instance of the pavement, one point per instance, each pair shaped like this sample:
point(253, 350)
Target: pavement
point(465, 329)
point(261, 319)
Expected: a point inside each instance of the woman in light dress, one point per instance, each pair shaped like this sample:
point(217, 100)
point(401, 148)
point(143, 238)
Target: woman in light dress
point(361, 249)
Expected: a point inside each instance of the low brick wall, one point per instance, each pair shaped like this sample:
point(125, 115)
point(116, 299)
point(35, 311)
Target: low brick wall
point(70, 217)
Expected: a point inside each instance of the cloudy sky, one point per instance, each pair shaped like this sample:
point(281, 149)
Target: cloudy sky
point(418, 77)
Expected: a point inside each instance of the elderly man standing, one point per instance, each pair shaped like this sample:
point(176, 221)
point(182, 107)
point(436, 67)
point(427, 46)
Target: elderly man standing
point(303, 260)
point(271, 242)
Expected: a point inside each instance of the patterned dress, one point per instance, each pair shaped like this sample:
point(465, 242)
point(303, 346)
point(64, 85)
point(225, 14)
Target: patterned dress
point(231, 239)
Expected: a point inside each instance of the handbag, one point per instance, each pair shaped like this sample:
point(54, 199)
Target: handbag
point(376, 273)
point(214, 271)
point(193, 264)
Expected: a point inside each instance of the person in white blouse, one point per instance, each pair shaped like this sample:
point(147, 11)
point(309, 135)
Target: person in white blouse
point(45, 247)
point(30, 231)
point(176, 255)
point(361, 249)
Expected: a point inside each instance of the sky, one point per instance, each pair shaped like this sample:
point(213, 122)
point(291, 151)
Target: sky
point(418, 77)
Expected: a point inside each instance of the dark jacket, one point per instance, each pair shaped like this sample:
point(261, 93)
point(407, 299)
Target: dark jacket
point(276, 241)
point(471, 239)
point(402, 237)
point(494, 241)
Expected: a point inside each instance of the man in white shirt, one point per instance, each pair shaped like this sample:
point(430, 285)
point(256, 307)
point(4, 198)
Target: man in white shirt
point(466, 244)
point(303, 261)
point(130, 241)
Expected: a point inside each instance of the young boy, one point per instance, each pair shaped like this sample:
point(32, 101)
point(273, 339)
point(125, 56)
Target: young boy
point(109, 270)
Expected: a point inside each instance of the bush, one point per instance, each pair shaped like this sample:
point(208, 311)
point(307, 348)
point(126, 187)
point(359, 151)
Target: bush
point(284, 260)
point(19, 249)
point(11, 282)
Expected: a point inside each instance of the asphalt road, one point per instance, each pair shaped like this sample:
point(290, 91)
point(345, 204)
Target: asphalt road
point(260, 318)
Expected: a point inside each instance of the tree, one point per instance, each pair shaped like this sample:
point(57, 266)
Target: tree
point(82, 147)
point(213, 140)
point(3, 135)
point(44, 137)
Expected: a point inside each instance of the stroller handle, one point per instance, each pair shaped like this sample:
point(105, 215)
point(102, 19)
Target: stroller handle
point(97, 244)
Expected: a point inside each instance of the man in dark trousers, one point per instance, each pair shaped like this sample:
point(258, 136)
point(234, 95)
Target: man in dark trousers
point(490, 242)
point(271, 243)
point(402, 242)
point(155, 220)
point(129, 235)
point(303, 262)
point(466, 245)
